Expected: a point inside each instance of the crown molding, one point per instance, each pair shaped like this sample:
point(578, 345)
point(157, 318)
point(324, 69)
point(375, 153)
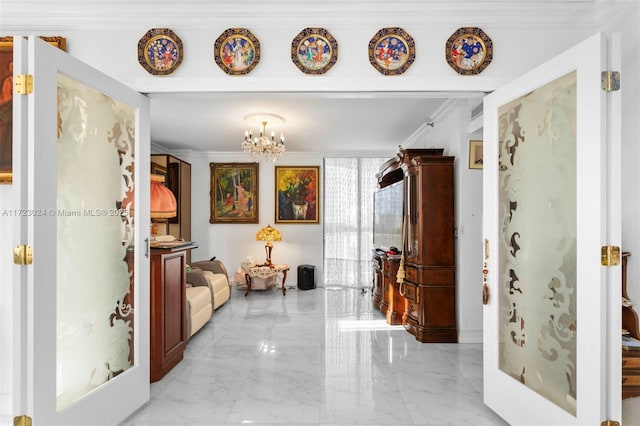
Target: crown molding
point(45, 15)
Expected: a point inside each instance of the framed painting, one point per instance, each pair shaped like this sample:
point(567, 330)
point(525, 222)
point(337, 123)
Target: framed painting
point(172, 181)
point(392, 51)
point(160, 51)
point(6, 102)
point(157, 169)
point(314, 51)
point(234, 193)
point(237, 51)
point(297, 194)
point(475, 155)
point(469, 51)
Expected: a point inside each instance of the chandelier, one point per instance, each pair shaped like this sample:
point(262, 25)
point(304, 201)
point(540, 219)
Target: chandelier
point(262, 146)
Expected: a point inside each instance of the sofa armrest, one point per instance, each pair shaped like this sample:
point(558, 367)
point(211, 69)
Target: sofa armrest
point(197, 279)
point(215, 266)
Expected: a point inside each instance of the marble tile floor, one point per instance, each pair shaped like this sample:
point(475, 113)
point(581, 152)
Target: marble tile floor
point(316, 357)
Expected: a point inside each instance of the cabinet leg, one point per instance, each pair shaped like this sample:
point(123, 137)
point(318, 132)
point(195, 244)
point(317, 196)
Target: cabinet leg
point(284, 279)
point(247, 278)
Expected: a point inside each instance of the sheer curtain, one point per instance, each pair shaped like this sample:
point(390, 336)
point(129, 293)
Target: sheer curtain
point(349, 184)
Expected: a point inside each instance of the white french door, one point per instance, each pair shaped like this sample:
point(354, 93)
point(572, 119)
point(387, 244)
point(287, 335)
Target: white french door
point(551, 201)
point(81, 348)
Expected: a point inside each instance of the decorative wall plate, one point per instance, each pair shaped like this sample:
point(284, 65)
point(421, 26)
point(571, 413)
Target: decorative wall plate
point(392, 51)
point(237, 51)
point(314, 51)
point(469, 51)
point(160, 51)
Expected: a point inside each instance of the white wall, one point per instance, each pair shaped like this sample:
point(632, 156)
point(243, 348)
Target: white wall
point(231, 243)
point(451, 129)
point(627, 24)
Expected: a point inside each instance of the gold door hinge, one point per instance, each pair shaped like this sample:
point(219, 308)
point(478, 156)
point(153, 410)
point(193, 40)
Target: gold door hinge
point(23, 255)
point(610, 81)
point(610, 423)
point(610, 255)
point(23, 84)
point(22, 421)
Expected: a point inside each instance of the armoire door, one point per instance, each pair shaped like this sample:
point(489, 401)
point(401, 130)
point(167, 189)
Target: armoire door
point(551, 202)
point(81, 329)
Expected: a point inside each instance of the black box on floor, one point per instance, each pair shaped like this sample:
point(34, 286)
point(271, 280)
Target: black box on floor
point(306, 277)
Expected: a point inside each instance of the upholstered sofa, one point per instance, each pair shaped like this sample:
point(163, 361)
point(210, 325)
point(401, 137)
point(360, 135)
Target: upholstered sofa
point(208, 288)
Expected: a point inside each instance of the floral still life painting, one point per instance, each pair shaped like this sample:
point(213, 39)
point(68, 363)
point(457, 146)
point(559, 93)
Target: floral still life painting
point(234, 193)
point(297, 196)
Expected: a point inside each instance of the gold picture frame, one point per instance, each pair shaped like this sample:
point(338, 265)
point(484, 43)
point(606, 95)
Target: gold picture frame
point(297, 194)
point(236, 51)
point(234, 195)
point(160, 51)
point(475, 154)
point(314, 51)
point(392, 51)
point(6, 102)
point(469, 50)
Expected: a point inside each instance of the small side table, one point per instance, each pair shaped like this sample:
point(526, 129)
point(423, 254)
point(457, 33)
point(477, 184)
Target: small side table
point(265, 272)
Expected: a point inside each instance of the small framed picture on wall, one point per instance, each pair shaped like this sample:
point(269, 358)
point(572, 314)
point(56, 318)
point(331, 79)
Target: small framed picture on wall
point(475, 155)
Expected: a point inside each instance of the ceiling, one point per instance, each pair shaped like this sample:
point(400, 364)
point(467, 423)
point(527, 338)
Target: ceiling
point(314, 122)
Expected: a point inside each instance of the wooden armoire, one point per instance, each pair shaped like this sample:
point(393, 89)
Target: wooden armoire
point(429, 288)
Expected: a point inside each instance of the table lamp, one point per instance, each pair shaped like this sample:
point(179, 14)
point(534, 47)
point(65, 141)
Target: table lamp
point(268, 234)
point(163, 203)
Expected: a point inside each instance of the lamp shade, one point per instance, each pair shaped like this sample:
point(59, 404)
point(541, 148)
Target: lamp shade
point(268, 233)
point(163, 202)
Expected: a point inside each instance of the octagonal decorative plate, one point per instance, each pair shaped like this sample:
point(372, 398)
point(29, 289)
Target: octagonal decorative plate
point(160, 51)
point(237, 51)
point(314, 51)
point(469, 51)
point(392, 51)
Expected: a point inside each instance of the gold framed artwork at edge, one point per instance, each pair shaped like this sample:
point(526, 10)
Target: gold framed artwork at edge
point(475, 155)
point(6, 102)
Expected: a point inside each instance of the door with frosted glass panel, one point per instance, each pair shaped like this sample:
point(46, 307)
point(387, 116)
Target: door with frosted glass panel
point(83, 313)
point(551, 201)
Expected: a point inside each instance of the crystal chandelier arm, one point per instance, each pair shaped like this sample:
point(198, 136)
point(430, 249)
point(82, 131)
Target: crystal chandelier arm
point(262, 146)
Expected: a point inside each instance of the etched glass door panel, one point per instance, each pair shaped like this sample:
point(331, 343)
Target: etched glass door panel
point(95, 271)
point(85, 298)
point(537, 252)
point(551, 149)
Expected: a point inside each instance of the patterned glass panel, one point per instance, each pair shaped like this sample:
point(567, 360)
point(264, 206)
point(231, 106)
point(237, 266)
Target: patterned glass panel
point(95, 160)
point(537, 259)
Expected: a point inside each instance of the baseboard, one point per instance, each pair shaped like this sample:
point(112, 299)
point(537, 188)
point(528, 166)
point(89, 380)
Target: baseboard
point(471, 336)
